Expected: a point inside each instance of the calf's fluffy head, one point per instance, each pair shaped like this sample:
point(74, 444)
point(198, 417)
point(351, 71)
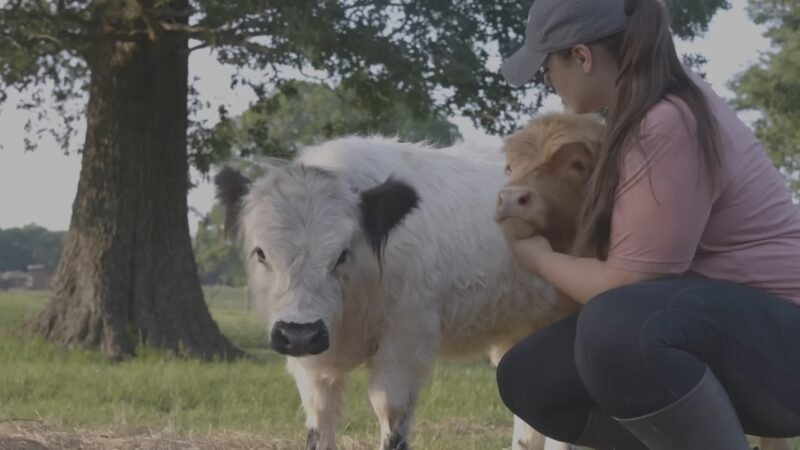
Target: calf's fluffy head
point(549, 163)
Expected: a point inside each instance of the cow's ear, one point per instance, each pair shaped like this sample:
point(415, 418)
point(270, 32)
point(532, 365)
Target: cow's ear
point(232, 186)
point(383, 207)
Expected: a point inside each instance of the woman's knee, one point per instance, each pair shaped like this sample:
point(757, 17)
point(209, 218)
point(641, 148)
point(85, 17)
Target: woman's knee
point(526, 373)
point(624, 352)
point(508, 379)
point(607, 335)
point(538, 382)
point(604, 323)
point(516, 381)
point(526, 393)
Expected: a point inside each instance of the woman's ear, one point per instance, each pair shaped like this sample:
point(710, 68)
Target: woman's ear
point(583, 55)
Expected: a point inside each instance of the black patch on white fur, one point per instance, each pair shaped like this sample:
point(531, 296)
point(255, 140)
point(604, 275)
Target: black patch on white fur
point(383, 207)
point(232, 186)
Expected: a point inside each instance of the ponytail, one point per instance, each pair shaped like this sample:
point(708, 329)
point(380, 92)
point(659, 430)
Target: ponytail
point(649, 70)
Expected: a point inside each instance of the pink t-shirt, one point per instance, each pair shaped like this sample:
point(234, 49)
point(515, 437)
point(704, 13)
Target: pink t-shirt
point(666, 219)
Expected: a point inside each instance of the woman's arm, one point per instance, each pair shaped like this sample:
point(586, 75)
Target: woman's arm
point(579, 278)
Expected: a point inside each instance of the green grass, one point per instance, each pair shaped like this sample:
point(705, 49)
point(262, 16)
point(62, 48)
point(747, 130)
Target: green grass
point(460, 407)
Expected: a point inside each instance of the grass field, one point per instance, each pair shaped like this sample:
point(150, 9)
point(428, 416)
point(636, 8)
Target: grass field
point(56, 399)
point(76, 399)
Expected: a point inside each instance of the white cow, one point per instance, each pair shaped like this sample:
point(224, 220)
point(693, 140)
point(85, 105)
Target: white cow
point(372, 251)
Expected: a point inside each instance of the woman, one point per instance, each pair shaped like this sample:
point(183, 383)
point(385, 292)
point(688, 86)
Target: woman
point(690, 333)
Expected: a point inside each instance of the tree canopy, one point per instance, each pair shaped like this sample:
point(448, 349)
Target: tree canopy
point(306, 113)
point(772, 86)
point(433, 57)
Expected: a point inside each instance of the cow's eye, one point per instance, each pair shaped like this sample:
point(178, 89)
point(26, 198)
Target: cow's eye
point(259, 254)
point(508, 171)
point(342, 258)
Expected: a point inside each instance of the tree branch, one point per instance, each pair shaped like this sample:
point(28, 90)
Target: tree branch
point(199, 47)
point(47, 37)
point(123, 35)
point(64, 39)
point(65, 29)
point(185, 28)
point(154, 26)
point(364, 3)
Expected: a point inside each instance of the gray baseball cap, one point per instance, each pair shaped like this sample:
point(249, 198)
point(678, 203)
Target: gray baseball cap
point(555, 25)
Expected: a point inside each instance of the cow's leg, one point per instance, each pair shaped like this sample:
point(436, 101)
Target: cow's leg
point(393, 394)
point(322, 397)
point(525, 437)
point(774, 444)
point(398, 370)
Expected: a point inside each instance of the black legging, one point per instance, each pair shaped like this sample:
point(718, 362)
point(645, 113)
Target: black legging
point(636, 349)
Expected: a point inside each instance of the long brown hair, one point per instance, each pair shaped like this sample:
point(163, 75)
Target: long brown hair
point(649, 70)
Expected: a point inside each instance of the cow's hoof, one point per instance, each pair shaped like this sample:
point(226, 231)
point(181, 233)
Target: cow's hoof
point(314, 442)
point(396, 442)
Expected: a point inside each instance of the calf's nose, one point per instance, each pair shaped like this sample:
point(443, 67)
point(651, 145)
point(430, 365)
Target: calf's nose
point(513, 202)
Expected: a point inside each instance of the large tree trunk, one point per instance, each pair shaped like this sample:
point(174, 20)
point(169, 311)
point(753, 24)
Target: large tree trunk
point(127, 276)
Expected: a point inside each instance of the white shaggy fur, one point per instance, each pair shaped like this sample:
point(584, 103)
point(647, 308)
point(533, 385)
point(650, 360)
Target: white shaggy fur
point(449, 286)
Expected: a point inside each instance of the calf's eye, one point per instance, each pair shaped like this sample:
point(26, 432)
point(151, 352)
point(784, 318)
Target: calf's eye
point(508, 170)
point(579, 166)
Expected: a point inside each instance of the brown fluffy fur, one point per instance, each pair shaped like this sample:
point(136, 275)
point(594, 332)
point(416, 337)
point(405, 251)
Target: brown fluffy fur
point(541, 157)
point(540, 140)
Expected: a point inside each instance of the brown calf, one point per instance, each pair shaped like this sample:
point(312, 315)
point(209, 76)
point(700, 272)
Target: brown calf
point(548, 163)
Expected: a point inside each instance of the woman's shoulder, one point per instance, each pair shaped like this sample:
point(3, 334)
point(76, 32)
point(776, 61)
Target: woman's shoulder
point(666, 141)
point(668, 116)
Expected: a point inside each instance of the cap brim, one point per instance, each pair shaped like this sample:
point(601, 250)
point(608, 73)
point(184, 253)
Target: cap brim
point(522, 66)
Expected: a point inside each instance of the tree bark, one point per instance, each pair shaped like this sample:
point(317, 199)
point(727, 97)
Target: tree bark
point(127, 276)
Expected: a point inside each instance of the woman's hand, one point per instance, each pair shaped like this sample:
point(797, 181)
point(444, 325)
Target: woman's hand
point(530, 252)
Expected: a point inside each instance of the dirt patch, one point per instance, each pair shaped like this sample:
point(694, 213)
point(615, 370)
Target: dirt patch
point(39, 435)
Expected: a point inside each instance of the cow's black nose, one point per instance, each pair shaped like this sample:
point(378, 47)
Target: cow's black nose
point(299, 339)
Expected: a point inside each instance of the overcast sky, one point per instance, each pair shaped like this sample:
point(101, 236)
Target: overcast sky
point(39, 187)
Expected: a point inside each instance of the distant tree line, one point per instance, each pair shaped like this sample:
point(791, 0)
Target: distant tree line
point(31, 244)
point(217, 262)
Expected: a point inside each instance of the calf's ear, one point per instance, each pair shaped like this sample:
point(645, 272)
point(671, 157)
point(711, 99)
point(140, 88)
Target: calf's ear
point(232, 186)
point(383, 207)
